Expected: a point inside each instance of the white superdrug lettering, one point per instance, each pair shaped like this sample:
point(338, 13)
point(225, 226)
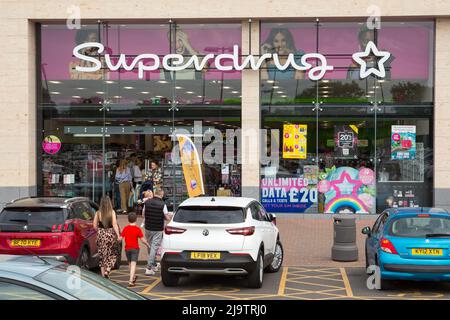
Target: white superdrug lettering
point(174, 62)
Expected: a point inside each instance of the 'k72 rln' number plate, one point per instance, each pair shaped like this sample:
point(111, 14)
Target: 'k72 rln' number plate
point(426, 252)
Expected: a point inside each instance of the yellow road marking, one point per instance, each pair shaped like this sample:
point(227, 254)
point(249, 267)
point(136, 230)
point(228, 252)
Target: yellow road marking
point(282, 285)
point(348, 287)
point(150, 287)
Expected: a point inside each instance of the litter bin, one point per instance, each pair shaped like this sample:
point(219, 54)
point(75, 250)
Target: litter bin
point(344, 241)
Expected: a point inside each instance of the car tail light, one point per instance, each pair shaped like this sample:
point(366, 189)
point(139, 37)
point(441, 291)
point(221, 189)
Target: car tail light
point(423, 215)
point(387, 246)
point(67, 227)
point(173, 230)
point(247, 231)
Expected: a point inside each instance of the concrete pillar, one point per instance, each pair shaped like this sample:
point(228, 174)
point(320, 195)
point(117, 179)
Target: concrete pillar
point(442, 115)
point(250, 115)
point(18, 111)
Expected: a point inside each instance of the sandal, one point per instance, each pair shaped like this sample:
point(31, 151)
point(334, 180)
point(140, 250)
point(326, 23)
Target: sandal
point(132, 283)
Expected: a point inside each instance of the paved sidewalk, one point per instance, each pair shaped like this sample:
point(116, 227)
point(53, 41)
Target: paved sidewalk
point(306, 241)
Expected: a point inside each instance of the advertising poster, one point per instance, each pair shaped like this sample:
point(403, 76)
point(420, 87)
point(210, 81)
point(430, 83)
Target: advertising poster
point(191, 166)
point(348, 190)
point(294, 141)
point(403, 143)
point(51, 144)
point(346, 141)
point(287, 195)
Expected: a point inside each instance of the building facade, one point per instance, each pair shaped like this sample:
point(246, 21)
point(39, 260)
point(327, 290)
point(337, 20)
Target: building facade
point(342, 143)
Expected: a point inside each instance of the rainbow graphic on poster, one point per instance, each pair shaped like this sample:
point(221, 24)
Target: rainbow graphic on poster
point(350, 203)
point(348, 190)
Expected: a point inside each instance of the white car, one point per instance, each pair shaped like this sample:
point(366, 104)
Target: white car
point(221, 235)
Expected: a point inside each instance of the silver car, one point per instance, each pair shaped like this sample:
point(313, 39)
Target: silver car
point(37, 278)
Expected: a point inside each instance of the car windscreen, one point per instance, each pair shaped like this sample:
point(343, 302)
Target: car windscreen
point(420, 227)
point(30, 219)
point(209, 215)
point(85, 285)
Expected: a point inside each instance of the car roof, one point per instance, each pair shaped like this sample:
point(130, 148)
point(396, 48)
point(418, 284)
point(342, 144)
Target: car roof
point(404, 211)
point(29, 266)
point(240, 202)
point(47, 202)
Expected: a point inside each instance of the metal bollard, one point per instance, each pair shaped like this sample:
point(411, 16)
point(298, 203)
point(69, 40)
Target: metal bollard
point(344, 240)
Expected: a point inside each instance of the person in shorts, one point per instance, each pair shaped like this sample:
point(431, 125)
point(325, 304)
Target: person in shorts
point(131, 233)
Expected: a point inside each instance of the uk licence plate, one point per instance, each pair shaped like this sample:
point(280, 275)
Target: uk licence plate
point(205, 255)
point(426, 252)
point(25, 243)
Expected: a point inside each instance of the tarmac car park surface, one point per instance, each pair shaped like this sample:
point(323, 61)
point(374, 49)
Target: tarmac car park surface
point(291, 283)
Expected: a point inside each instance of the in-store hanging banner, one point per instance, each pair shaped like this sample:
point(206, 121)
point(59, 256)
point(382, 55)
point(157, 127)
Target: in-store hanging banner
point(294, 141)
point(51, 144)
point(191, 166)
point(403, 143)
point(287, 195)
point(346, 141)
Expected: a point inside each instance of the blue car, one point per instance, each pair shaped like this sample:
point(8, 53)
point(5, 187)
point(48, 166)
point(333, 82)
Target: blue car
point(410, 244)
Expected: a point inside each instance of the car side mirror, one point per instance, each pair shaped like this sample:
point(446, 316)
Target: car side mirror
point(366, 230)
point(272, 218)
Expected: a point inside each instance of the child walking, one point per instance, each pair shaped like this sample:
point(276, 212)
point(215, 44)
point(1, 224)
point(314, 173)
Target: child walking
point(131, 233)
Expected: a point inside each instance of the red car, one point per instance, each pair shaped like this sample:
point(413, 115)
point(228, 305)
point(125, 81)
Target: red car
point(60, 227)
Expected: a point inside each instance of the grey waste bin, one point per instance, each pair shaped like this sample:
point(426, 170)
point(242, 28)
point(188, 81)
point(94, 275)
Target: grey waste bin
point(344, 240)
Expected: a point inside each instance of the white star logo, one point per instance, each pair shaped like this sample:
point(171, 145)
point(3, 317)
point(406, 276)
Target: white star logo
point(358, 57)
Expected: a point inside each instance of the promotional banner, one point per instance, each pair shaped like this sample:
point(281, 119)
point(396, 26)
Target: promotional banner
point(403, 143)
point(294, 141)
point(346, 141)
point(348, 190)
point(287, 195)
point(191, 166)
point(51, 144)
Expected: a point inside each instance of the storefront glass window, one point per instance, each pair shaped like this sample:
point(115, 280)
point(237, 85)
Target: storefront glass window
point(348, 144)
point(103, 117)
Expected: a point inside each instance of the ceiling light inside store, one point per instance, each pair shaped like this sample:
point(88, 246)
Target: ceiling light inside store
point(370, 91)
point(55, 92)
point(325, 91)
point(325, 81)
point(55, 82)
point(76, 97)
point(234, 91)
point(189, 92)
point(270, 81)
point(162, 81)
point(145, 92)
point(128, 88)
point(178, 88)
point(159, 96)
point(280, 92)
point(381, 80)
point(284, 96)
point(99, 92)
point(199, 96)
point(81, 88)
point(117, 97)
point(109, 81)
point(226, 87)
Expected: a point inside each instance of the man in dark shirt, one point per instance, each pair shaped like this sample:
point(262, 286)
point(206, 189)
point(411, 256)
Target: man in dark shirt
point(155, 211)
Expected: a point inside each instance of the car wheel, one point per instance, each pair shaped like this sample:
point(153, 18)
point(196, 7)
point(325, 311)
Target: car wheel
point(384, 284)
point(83, 259)
point(169, 279)
point(255, 279)
point(277, 261)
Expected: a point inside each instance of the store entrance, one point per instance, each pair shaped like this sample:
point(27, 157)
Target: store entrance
point(346, 152)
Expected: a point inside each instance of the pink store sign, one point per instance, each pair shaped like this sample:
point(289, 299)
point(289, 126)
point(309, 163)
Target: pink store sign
point(51, 144)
